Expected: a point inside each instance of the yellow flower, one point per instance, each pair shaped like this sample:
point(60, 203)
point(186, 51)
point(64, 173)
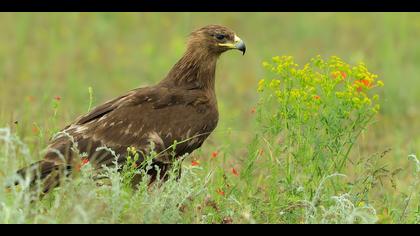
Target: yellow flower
point(261, 84)
point(367, 101)
point(339, 94)
point(356, 100)
point(276, 59)
point(275, 84)
point(266, 65)
point(295, 93)
point(132, 150)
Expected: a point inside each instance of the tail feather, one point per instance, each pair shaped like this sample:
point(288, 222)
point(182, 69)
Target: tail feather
point(49, 173)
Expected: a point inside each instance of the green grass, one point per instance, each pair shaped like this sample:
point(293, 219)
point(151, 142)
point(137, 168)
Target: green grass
point(44, 55)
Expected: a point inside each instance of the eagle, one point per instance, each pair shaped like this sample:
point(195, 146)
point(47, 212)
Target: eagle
point(181, 108)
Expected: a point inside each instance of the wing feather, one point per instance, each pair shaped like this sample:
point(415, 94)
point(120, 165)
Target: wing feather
point(105, 108)
point(138, 119)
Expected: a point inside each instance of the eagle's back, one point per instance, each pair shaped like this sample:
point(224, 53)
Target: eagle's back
point(146, 118)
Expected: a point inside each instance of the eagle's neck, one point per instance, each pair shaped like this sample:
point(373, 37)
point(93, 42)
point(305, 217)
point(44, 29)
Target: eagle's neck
point(195, 70)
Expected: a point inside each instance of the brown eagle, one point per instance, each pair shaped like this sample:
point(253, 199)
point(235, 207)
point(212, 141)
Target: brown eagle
point(181, 108)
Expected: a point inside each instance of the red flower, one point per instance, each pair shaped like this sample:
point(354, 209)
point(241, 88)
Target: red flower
point(57, 98)
point(220, 192)
point(85, 161)
point(343, 74)
point(31, 98)
point(195, 163)
point(317, 97)
point(253, 110)
point(82, 163)
point(214, 154)
point(35, 129)
point(234, 172)
point(365, 82)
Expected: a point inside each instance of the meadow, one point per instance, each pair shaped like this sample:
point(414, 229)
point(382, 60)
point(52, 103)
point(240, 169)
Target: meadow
point(255, 167)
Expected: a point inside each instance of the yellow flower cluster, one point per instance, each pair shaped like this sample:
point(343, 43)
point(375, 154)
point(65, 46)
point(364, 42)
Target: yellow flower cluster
point(326, 84)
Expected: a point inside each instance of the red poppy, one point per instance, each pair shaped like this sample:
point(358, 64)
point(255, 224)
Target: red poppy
point(343, 74)
point(317, 97)
point(195, 163)
point(220, 192)
point(234, 172)
point(214, 154)
point(57, 98)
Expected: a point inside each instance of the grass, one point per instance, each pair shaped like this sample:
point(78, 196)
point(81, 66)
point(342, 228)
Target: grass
point(56, 66)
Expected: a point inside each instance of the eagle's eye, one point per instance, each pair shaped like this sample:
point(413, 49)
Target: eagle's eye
point(220, 36)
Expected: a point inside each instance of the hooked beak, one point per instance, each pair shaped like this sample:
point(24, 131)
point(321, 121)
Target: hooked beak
point(240, 45)
point(237, 44)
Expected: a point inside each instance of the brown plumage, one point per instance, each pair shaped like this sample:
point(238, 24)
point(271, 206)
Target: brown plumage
point(182, 106)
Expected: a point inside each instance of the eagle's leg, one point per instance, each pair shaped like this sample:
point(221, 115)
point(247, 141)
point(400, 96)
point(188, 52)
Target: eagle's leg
point(179, 172)
point(159, 172)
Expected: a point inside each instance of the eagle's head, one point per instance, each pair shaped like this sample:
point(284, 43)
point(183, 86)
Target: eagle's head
point(215, 39)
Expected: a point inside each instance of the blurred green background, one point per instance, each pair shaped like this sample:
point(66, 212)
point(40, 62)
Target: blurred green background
point(44, 55)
